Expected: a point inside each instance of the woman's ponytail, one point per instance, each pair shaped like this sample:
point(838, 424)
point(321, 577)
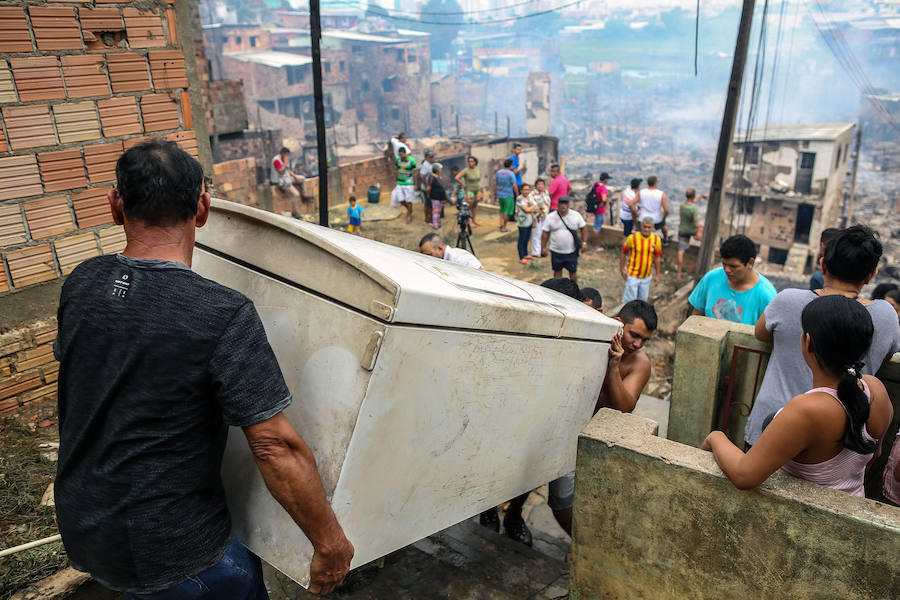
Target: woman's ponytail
point(856, 404)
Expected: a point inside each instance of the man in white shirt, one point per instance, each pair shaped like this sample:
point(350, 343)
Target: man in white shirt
point(433, 245)
point(561, 228)
point(423, 179)
point(397, 142)
point(653, 203)
point(630, 210)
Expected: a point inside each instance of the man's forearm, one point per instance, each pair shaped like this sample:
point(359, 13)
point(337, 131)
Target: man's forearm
point(289, 470)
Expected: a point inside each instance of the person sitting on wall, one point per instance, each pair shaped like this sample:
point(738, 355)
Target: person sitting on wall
point(432, 245)
point(851, 260)
point(734, 291)
point(829, 434)
point(284, 180)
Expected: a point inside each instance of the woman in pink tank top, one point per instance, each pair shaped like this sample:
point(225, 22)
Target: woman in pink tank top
point(831, 433)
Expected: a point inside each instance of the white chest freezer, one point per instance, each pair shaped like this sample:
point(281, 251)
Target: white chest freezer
point(428, 391)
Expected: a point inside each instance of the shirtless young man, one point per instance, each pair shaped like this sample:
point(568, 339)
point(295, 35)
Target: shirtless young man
point(629, 366)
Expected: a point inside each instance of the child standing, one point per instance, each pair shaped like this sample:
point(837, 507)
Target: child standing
point(355, 211)
point(436, 195)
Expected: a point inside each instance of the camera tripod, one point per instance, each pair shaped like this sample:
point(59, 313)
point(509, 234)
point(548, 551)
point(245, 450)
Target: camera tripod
point(464, 239)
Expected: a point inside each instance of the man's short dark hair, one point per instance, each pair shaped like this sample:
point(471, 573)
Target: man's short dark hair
point(881, 290)
point(652, 180)
point(554, 166)
point(507, 163)
point(593, 295)
point(894, 295)
point(639, 309)
point(516, 146)
point(740, 247)
point(539, 180)
point(430, 237)
point(564, 285)
point(853, 254)
point(635, 183)
point(284, 150)
point(160, 184)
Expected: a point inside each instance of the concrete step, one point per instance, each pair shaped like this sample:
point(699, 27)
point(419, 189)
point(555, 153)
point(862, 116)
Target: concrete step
point(466, 561)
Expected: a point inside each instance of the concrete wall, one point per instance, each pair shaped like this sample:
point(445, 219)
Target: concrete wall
point(657, 519)
point(703, 356)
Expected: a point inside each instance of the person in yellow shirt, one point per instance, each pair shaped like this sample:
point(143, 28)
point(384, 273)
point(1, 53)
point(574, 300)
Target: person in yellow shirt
point(640, 255)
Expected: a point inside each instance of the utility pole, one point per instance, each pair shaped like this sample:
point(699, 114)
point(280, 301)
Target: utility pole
point(717, 187)
point(848, 217)
point(315, 34)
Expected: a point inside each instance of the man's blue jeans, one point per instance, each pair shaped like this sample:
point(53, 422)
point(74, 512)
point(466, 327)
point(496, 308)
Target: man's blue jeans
point(238, 576)
point(636, 289)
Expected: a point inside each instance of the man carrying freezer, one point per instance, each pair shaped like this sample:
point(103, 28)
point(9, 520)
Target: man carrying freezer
point(156, 362)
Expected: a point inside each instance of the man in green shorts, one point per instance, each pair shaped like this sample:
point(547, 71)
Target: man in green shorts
point(690, 226)
point(404, 194)
point(506, 190)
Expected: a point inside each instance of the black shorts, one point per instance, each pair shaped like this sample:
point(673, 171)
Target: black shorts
point(660, 225)
point(569, 262)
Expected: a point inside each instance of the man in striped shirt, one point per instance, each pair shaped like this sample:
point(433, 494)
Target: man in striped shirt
point(640, 255)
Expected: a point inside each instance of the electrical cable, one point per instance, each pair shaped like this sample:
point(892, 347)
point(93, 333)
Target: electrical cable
point(539, 13)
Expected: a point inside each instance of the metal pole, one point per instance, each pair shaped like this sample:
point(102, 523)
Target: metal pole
point(849, 217)
point(457, 124)
point(507, 126)
point(441, 122)
point(315, 34)
point(717, 187)
point(496, 123)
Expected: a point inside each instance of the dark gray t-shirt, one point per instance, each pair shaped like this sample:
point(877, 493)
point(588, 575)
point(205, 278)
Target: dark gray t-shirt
point(155, 363)
point(788, 375)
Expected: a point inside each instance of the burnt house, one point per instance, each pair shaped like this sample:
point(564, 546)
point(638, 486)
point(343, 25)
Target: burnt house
point(785, 186)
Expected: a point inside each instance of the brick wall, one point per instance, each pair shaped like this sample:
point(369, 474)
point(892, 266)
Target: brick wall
point(235, 180)
point(28, 370)
point(78, 86)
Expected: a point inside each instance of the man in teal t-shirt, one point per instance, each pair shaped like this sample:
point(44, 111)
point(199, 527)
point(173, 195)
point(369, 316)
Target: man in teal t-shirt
point(734, 292)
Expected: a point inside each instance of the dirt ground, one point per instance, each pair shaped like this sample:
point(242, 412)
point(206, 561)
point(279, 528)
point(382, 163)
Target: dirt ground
point(497, 252)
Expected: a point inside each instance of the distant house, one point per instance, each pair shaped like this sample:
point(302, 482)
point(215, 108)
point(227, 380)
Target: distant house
point(785, 186)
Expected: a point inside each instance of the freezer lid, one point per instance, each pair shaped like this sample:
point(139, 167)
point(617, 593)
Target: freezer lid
point(392, 284)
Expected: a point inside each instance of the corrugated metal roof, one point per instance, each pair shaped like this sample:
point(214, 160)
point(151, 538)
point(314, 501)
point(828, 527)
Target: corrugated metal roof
point(364, 37)
point(783, 133)
point(271, 58)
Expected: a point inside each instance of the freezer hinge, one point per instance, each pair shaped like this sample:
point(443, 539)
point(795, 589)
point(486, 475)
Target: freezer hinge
point(370, 354)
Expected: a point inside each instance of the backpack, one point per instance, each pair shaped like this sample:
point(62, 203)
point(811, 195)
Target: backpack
point(591, 202)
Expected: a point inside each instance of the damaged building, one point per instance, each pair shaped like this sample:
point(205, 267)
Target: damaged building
point(785, 185)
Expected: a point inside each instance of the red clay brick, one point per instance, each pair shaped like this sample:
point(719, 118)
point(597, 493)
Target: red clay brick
point(85, 76)
point(91, 208)
point(101, 161)
point(7, 89)
point(74, 249)
point(31, 265)
point(171, 29)
point(14, 35)
point(29, 126)
point(186, 110)
point(112, 239)
point(62, 170)
point(76, 121)
point(144, 29)
point(119, 116)
point(128, 72)
point(48, 216)
point(167, 69)
point(55, 28)
point(12, 228)
point(160, 112)
point(38, 78)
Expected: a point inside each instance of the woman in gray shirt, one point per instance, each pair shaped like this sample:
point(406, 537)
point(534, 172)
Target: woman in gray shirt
point(850, 262)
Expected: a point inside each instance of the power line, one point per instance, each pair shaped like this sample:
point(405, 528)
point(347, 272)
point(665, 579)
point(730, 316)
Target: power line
point(376, 8)
point(539, 13)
